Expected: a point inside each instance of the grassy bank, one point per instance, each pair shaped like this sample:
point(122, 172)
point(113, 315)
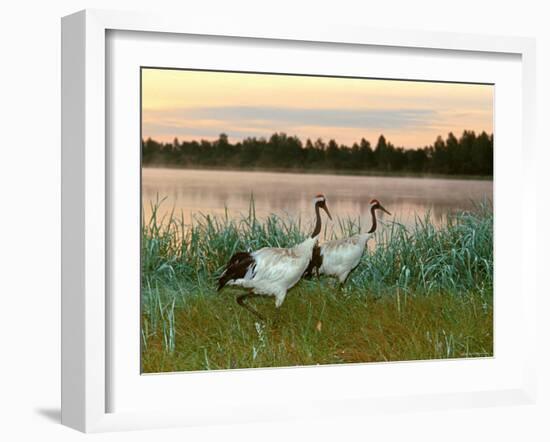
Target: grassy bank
point(422, 293)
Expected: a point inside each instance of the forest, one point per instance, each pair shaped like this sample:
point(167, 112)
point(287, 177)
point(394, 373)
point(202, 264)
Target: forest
point(469, 155)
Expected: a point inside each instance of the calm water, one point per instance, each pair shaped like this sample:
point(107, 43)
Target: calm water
point(286, 194)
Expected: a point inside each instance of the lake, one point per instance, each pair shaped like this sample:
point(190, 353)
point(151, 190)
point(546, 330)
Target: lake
point(195, 192)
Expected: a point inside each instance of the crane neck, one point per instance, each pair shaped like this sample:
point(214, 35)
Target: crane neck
point(317, 228)
point(373, 216)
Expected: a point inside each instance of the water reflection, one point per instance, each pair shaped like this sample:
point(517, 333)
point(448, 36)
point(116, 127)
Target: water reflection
point(199, 191)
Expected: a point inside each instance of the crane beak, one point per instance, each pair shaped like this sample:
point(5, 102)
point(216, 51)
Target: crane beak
point(325, 208)
point(382, 208)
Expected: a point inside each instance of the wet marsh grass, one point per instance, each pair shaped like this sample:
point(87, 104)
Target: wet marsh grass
point(421, 293)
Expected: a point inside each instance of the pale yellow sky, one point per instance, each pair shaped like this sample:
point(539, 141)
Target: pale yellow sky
point(193, 105)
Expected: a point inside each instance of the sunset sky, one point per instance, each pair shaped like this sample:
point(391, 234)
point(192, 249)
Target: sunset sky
point(193, 105)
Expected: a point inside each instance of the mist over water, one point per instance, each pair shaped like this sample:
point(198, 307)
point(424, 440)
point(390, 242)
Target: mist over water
point(195, 192)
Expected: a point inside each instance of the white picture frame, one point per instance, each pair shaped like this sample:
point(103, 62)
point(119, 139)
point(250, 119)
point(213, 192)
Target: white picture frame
point(86, 205)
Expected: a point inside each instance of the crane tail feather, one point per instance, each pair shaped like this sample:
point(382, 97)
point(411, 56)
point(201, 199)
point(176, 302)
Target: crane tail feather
point(236, 268)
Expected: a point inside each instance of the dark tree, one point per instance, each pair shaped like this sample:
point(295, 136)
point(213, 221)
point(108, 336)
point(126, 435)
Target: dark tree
point(470, 155)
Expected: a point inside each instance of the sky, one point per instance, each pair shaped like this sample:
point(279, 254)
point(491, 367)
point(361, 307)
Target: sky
point(195, 105)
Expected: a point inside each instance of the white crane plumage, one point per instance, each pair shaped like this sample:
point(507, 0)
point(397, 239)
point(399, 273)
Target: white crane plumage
point(339, 257)
point(272, 271)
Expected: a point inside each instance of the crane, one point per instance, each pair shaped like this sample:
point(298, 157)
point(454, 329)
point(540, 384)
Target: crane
point(339, 257)
point(272, 271)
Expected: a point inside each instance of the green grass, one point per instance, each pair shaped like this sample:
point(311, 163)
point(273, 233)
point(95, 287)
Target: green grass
point(421, 293)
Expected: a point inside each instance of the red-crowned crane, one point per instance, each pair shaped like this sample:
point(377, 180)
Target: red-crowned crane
point(272, 271)
point(339, 257)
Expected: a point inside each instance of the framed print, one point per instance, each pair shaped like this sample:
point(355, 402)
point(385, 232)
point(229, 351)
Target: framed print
point(265, 210)
point(244, 216)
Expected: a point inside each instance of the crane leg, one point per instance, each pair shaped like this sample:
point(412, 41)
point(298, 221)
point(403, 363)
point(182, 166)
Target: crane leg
point(342, 281)
point(240, 301)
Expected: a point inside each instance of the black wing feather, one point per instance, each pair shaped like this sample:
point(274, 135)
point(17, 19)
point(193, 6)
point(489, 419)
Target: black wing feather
point(315, 263)
point(237, 267)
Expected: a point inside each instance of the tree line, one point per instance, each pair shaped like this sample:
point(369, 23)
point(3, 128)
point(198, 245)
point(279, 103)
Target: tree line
point(471, 154)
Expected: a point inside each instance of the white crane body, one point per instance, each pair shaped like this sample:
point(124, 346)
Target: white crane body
point(340, 257)
point(275, 270)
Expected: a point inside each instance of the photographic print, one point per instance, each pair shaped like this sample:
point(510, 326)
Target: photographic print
point(299, 220)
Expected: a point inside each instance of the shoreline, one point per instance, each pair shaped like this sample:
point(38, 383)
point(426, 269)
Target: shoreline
point(300, 171)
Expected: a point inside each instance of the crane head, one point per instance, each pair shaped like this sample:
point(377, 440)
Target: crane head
point(321, 202)
point(375, 205)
